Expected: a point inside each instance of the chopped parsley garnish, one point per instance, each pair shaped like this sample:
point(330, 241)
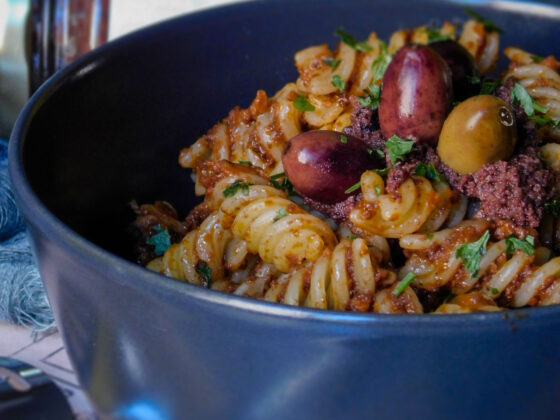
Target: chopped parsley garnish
point(449, 297)
point(381, 63)
point(205, 273)
point(494, 291)
point(381, 172)
point(428, 171)
point(403, 284)
point(377, 190)
point(161, 240)
point(376, 152)
point(284, 185)
point(331, 62)
point(302, 104)
point(471, 253)
point(429, 236)
point(232, 189)
point(343, 139)
point(338, 83)
point(489, 86)
point(353, 188)
point(398, 147)
point(352, 237)
point(536, 58)
point(488, 24)
point(552, 207)
point(351, 41)
point(473, 79)
point(435, 35)
point(519, 95)
point(372, 96)
point(527, 244)
point(281, 213)
point(245, 162)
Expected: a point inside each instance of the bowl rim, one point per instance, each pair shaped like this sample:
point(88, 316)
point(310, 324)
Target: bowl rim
point(47, 223)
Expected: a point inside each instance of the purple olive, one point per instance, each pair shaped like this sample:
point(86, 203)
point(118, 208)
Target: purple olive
point(322, 165)
point(466, 78)
point(417, 94)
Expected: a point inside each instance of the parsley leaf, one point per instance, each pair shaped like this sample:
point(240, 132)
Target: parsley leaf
point(489, 86)
point(527, 244)
point(284, 185)
point(338, 83)
point(353, 188)
point(473, 79)
point(205, 273)
point(343, 139)
point(435, 35)
point(449, 297)
point(381, 172)
point(331, 62)
point(494, 291)
point(376, 152)
point(403, 284)
point(381, 63)
point(536, 58)
point(377, 190)
point(302, 104)
point(232, 189)
point(245, 162)
point(471, 253)
point(428, 171)
point(352, 237)
point(552, 207)
point(352, 41)
point(161, 240)
point(281, 213)
point(430, 235)
point(488, 24)
point(520, 96)
point(398, 147)
point(372, 98)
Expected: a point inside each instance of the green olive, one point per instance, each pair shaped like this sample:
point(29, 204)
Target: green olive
point(478, 131)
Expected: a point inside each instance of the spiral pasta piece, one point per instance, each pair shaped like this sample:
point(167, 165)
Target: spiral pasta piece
point(483, 44)
point(342, 279)
point(468, 303)
point(518, 279)
point(542, 82)
point(282, 233)
point(258, 221)
point(417, 206)
point(257, 135)
point(419, 35)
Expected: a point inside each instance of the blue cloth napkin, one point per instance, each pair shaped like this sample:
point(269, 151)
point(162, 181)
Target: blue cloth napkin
point(23, 300)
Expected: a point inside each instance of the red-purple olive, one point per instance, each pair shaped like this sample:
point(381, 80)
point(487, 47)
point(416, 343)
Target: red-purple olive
point(417, 94)
point(466, 78)
point(322, 165)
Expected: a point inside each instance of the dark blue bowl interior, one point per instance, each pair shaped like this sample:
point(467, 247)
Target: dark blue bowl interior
point(111, 132)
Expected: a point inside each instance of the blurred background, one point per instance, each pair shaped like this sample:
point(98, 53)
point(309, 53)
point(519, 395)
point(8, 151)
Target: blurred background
point(39, 37)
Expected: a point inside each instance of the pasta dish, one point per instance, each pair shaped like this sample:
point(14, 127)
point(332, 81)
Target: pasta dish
point(398, 177)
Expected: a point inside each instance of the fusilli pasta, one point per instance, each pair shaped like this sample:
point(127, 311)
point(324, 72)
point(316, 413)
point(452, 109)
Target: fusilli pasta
point(417, 206)
point(519, 279)
point(541, 81)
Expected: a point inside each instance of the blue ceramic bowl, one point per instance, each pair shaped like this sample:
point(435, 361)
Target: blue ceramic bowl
point(108, 129)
